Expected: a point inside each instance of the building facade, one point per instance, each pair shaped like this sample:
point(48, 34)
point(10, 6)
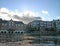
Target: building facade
point(12, 25)
point(36, 24)
point(41, 25)
point(56, 24)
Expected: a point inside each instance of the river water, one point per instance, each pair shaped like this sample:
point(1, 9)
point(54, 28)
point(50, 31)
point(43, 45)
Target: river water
point(17, 39)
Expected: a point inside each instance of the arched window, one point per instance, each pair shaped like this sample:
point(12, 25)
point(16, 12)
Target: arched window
point(12, 32)
point(21, 32)
point(15, 32)
point(18, 32)
point(1, 31)
point(9, 32)
point(5, 32)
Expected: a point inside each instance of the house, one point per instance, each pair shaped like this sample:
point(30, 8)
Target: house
point(11, 25)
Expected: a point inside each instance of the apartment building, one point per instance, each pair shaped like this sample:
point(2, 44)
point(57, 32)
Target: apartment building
point(42, 25)
point(56, 24)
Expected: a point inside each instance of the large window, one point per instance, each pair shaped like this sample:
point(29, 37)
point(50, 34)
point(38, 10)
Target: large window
point(4, 24)
point(17, 24)
point(11, 24)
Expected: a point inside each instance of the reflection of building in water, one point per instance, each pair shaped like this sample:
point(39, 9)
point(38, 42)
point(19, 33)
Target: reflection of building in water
point(12, 25)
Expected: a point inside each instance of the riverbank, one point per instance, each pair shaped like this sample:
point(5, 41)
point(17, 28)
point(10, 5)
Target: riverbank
point(25, 44)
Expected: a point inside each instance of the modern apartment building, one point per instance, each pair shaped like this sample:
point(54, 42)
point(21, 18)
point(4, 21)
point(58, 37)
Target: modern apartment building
point(42, 25)
point(57, 24)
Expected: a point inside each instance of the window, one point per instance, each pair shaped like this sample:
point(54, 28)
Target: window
point(2, 24)
point(12, 24)
point(9, 24)
point(5, 24)
point(21, 24)
point(18, 24)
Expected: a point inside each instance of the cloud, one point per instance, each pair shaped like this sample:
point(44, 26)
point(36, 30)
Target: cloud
point(5, 13)
point(44, 12)
point(29, 13)
point(5, 10)
point(4, 17)
point(43, 18)
point(23, 13)
point(58, 17)
point(25, 16)
point(26, 19)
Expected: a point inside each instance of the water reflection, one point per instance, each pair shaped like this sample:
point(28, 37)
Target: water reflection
point(13, 37)
point(26, 39)
point(10, 37)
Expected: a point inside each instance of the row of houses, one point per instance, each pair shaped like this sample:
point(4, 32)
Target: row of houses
point(12, 25)
point(42, 25)
point(20, 26)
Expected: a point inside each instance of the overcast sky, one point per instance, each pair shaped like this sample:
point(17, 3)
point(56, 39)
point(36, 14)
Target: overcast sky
point(46, 9)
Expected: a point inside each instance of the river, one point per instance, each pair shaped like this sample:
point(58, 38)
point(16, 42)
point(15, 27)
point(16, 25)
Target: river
point(24, 40)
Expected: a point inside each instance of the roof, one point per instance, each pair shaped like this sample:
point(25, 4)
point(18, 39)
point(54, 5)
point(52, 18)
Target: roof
point(18, 22)
point(4, 21)
point(0, 20)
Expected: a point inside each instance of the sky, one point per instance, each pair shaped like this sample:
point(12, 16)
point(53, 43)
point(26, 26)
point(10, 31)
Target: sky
point(46, 9)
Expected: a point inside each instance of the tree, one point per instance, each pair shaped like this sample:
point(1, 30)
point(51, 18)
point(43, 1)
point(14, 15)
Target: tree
point(47, 29)
point(32, 29)
point(54, 25)
point(52, 29)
